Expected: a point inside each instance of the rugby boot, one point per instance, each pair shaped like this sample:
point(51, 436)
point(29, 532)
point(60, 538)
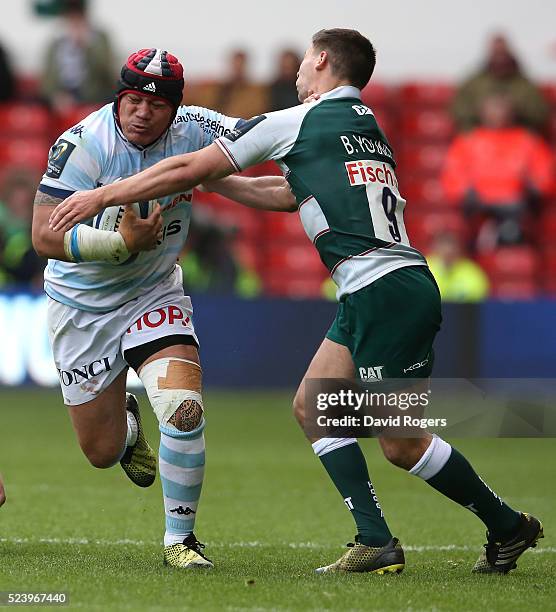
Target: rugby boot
point(187, 554)
point(387, 559)
point(139, 460)
point(501, 557)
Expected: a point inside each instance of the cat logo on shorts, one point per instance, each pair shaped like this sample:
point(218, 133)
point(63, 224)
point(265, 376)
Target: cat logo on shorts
point(371, 374)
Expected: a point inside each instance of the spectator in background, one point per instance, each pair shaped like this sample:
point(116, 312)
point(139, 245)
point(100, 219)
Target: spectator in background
point(282, 90)
point(19, 264)
point(497, 172)
point(501, 74)
point(209, 263)
point(7, 79)
point(237, 95)
point(459, 278)
point(79, 64)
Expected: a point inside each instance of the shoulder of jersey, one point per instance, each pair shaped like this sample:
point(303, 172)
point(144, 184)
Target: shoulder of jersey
point(299, 110)
point(293, 116)
point(281, 118)
point(99, 123)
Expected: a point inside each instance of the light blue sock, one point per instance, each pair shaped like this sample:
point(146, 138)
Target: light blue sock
point(182, 467)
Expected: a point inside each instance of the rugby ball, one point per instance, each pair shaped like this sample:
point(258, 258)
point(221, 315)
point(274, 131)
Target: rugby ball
point(110, 218)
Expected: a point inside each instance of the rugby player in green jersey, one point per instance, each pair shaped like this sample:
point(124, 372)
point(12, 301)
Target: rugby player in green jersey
point(340, 168)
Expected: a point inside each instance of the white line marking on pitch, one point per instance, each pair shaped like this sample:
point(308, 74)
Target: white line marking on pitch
point(253, 544)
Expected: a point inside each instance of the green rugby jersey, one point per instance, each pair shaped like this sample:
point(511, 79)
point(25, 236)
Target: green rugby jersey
point(341, 170)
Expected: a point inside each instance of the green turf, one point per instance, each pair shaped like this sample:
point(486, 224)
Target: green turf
point(268, 515)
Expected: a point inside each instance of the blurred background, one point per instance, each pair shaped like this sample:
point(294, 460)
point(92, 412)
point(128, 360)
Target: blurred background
point(466, 95)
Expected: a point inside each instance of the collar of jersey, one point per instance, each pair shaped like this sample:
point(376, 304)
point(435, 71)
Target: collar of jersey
point(121, 134)
point(344, 91)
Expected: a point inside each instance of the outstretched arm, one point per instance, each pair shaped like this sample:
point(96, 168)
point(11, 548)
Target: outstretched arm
point(178, 173)
point(263, 192)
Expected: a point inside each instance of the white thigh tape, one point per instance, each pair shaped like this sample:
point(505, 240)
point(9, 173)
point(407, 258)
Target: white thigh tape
point(169, 382)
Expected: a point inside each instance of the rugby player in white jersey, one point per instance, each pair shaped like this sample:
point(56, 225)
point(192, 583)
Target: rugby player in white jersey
point(341, 169)
point(115, 293)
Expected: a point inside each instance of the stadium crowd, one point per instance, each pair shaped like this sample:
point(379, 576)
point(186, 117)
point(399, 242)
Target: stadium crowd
point(475, 163)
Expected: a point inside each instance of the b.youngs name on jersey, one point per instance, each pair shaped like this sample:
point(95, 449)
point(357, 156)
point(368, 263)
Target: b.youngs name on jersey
point(356, 143)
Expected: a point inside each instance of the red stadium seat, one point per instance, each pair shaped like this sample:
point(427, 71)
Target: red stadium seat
point(288, 227)
point(552, 127)
point(377, 94)
point(28, 87)
point(293, 286)
point(549, 92)
point(422, 159)
point(248, 252)
point(513, 272)
point(548, 269)
point(427, 125)
point(248, 222)
point(73, 116)
point(512, 262)
point(514, 289)
point(31, 153)
point(19, 119)
point(292, 257)
point(437, 95)
point(423, 226)
point(421, 191)
point(549, 287)
point(546, 228)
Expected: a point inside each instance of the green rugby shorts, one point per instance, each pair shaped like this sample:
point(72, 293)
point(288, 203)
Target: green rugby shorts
point(389, 326)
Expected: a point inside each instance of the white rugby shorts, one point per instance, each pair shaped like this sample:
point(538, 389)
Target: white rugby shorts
point(88, 347)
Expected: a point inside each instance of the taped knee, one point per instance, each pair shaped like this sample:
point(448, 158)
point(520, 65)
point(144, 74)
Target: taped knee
point(174, 389)
point(188, 416)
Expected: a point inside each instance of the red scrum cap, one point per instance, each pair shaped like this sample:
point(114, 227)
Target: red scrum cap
point(153, 72)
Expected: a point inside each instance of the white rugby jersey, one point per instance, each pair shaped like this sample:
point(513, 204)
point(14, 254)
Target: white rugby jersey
point(95, 152)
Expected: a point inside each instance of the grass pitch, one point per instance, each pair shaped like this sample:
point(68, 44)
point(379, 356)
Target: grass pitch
point(268, 514)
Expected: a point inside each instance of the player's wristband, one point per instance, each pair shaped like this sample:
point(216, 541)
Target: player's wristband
point(84, 243)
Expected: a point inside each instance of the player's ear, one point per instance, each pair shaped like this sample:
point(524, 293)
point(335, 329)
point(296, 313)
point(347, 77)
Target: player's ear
point(322, 61)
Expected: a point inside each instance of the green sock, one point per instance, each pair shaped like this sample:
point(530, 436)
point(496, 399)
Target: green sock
point(347, 468)
point(458, 480)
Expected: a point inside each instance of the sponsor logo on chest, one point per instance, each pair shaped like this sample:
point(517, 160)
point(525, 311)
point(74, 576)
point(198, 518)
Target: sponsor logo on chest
point(168, 204)
point(363, 172)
